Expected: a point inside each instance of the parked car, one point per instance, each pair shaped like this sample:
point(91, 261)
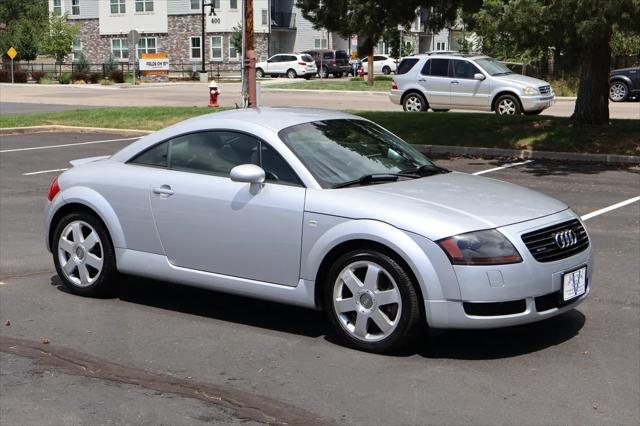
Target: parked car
point(477, 82)
point(330, 62)
point(291, 65)
point(382, 64)
point(319, 209)
point(624, 84)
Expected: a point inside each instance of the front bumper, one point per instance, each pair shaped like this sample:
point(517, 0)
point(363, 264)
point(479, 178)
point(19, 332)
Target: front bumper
point(537, 103)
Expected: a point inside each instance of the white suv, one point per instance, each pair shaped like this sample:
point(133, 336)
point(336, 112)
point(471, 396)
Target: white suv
point(455, 81)
point(290, 64)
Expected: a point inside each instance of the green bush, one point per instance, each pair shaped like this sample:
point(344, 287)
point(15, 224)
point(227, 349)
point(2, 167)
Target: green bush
point(566, 87)
point(78, 76)
point(38, 75)
point(44, 80)
point(110, 65)
point(116, 76)
point(64, 78)
point(81, 64)
point(355, 79)
point(382, 78)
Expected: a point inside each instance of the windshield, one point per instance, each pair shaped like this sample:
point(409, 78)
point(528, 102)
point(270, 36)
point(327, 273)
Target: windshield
point(493, 66)
point(339, 151)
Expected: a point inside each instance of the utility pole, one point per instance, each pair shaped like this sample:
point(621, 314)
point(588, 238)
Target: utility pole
point(204, 31)
point(249, 55)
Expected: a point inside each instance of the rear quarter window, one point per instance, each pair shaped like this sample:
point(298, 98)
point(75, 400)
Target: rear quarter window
point(341, 54)
point(406, 65)
point(307, 58)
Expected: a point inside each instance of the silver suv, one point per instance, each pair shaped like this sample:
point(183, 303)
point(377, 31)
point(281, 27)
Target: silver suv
point(456, 81)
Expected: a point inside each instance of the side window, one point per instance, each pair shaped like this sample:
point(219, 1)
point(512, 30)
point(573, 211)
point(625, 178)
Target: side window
point(439, 67)
point(406, 65)
point(327, 55)
point(276, 168)
point(156, 156)
point(464, 69)
point(379, 58)
point(212, 152)
point(426, 69)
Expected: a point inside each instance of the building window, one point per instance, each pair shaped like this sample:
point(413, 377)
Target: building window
point(216, 48)
point(144, 5)
point(216, 4)
point(441, 45)
point(195, 47)
point(320, 43)
point(195, 5)
point(233, 4)
point(75, 7)
point(233, 50)
point(264, 17)
point(57, 7)
point(147, 45)
point(118, 6)
point(120, 49)
point(76, 49)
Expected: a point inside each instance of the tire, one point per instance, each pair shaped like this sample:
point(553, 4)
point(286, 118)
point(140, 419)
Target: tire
point(96, 258)
point(414, 102)
point(337, 75)
point(355, 308)
point(291, 73)
point(618, 91)
point(386, 70)
point(536, 112)
point(440, 110)
point(323, 73)
point(307, 77)
point(508, 105)
point(259, 73)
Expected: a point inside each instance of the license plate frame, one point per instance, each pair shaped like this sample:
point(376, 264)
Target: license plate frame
point(570, 288)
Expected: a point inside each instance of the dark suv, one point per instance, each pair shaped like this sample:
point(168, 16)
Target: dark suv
point(624, 84)
point(334, 62)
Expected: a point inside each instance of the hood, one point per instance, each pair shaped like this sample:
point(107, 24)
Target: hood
point(522, 80)
point(437, 206)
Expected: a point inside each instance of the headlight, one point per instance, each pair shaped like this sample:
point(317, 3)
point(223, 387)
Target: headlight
point(488, 247)
point(530, 91)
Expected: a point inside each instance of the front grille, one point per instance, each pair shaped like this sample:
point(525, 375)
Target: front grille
point(545, 90)
point(544, 248)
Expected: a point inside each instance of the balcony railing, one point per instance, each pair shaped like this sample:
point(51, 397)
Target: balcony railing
point(283, 20)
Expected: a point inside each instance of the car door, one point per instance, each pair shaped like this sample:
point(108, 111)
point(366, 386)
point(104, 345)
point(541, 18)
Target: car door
point(466, 91)
point(378, 62)
point(434, 78)
point(208, 223)
point(274, 64)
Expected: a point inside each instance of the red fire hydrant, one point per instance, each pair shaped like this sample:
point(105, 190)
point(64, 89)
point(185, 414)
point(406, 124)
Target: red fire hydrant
point(361, 72)
point(214, 92)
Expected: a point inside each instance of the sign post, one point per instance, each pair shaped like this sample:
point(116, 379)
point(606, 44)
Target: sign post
point(12, 54)
point(133, 39)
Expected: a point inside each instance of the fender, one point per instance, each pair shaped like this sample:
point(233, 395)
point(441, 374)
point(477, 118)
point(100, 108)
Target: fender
point(397, 240)
point(503, 90)
point(624, 78)
point(97, 203)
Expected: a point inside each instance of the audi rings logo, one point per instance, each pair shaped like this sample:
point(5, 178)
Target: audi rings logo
point(566, 239)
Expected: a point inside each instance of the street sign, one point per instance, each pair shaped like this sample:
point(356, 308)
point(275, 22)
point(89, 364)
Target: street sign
point(12, 53)
point(134, 38)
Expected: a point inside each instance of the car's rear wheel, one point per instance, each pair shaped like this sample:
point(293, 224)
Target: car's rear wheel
point(386, 70)
point(291, 73)
point(259, 73)
point(508, 105)
point(337, 75)
point(371, 302)
point(414, 102)
point(83, 255)
point(618, 91)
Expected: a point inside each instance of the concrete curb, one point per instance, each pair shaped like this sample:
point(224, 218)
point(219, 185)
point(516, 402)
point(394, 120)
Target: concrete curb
point(529, 154)
point(339, 92)
point(75, 129)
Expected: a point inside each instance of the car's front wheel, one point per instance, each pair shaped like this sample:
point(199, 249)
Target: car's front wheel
point(414, 102)
point(259, 73)
point(371, 302)
point(386, 70)
point(508, 105)
point(618, 91)
point(83, 255)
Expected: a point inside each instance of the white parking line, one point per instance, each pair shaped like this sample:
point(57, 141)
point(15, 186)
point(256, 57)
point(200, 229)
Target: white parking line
point(44, 171)
point(608, 209)
point(506, 166)
point(67, 145)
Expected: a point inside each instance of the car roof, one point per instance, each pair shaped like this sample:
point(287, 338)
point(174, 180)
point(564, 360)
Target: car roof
point(448, 55)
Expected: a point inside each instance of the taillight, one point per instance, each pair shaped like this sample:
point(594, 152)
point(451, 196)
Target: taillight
point(302, 63)
point(54, 188)
point(394, 86)
point(334, 62)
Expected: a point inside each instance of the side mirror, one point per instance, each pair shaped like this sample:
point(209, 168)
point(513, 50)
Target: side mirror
point(247, 173)
point(479, 76)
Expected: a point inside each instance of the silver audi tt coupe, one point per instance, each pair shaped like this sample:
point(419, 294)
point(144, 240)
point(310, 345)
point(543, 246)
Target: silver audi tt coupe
point(319, 209)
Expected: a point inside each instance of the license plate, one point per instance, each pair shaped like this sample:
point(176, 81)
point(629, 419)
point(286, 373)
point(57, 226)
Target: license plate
point(574, 284)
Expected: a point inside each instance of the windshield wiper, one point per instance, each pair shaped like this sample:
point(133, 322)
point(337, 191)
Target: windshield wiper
point(372, 178)
point(427, 170)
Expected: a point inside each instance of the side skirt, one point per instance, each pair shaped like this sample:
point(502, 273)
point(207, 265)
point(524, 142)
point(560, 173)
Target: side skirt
point(157, 266)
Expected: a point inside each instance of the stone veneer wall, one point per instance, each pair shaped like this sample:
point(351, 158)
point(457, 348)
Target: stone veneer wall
point(175, 43)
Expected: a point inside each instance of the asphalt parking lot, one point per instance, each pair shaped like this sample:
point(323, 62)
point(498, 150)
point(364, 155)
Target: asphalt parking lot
point(162, 353)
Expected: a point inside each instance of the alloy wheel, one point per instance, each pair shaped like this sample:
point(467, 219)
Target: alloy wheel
point(367, 301)
point(413, 104)
point(617, 92)
point(291, 74)
point(507, 107)
point(80, 253)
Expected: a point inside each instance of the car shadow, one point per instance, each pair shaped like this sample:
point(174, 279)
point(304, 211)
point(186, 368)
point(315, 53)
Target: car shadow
point(457, 344)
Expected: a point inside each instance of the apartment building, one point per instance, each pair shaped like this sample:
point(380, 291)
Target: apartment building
point(173, 27)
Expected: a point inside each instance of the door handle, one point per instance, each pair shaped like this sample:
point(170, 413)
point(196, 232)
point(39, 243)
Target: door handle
point(455, 82)
point(422, 79)
point(163, 190)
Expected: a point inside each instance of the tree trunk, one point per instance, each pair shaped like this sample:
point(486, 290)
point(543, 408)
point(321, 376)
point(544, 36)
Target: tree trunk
point(592, 105)
point(370, 70)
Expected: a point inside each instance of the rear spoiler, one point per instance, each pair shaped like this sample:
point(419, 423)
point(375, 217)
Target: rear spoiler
point(81, 161)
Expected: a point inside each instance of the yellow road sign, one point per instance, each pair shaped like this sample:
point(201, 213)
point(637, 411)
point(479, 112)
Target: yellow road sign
point(12, 53)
